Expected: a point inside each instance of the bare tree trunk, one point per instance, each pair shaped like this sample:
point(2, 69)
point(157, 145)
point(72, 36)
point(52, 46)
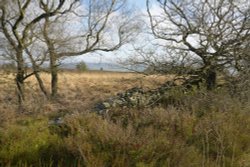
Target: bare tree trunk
point(41, 85)
point(54, 76)
point(20, 87)
point(36, 73)
point(211, 77)
point(54, 85)
point(20, 79)
point(53, 61)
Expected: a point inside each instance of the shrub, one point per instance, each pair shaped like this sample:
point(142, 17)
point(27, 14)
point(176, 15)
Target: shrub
point(82, 66)
point(29, 141)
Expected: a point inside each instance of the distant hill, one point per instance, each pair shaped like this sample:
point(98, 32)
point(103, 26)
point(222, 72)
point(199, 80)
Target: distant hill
point(92, 66)
point(103, 66)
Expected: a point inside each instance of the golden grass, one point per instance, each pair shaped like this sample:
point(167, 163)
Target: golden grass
point(77, 91)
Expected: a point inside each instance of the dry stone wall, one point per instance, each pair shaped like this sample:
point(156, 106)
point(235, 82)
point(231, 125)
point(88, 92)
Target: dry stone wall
point(135, 97)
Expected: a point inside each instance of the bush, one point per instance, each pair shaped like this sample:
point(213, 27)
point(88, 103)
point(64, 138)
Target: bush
point(82, 66)
point(148, 140)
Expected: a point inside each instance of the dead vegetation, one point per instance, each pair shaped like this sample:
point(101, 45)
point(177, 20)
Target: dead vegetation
point(197, 128)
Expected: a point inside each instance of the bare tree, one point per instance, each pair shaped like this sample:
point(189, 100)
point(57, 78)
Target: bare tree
point(17, 22)
point(50, 34)
point(210, 32)
point(37, 59)
point(105, 26)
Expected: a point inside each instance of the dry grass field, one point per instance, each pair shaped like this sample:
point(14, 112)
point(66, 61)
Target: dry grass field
point(204, 129)
point(78, 90)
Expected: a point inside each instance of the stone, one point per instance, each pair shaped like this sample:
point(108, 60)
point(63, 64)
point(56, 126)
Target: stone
point(106, 105)
point(135, 97)
point(133, 101)
point(118, 102)
point(56, 121)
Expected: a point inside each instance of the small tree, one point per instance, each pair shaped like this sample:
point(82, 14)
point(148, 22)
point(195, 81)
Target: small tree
point(82, 66)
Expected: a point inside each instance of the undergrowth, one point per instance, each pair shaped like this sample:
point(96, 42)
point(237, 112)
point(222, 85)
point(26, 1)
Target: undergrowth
point(188, 129)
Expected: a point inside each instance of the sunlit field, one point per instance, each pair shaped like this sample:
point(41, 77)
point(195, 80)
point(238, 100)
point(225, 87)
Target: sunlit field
point(80, 90)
